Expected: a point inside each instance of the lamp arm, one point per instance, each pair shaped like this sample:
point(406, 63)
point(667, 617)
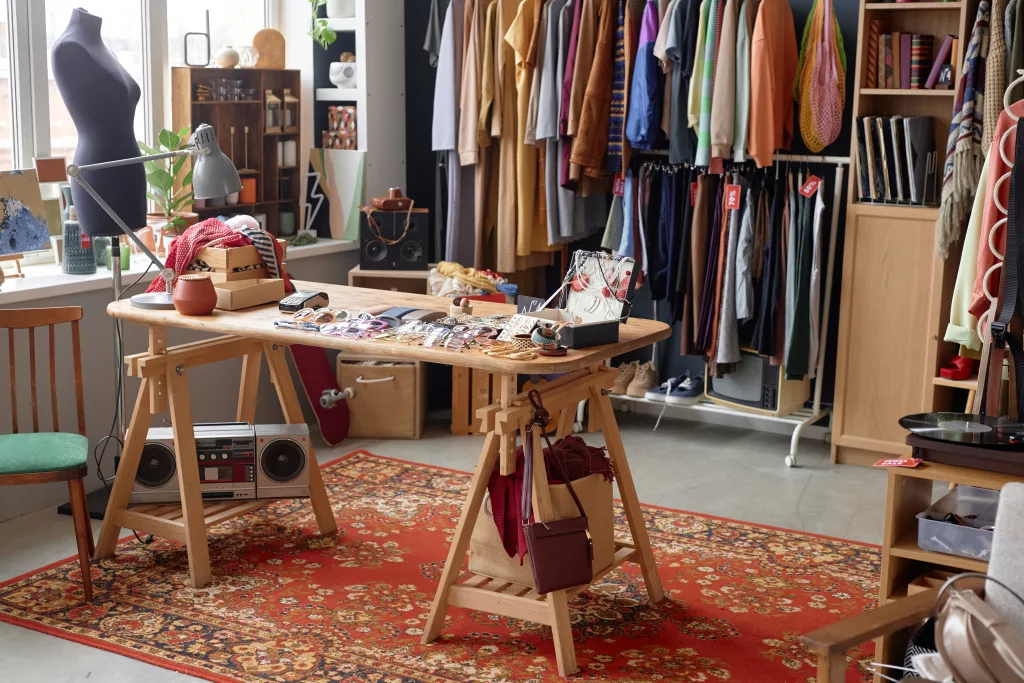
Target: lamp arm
point(74, 171)
point(188, 151)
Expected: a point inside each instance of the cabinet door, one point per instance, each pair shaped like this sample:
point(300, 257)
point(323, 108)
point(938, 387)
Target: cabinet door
point(891, 291)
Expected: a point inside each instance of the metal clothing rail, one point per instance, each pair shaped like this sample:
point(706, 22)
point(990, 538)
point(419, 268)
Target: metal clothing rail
point(816, 413)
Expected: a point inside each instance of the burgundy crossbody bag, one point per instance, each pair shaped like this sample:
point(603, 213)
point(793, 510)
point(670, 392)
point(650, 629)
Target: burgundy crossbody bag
point(561, 551)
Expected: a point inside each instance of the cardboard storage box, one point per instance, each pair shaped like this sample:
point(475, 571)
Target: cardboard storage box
point(239, 294)
point(235, 257)
point(390, 396)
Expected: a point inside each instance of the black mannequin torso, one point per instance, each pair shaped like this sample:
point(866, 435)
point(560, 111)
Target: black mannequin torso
point(101, 98)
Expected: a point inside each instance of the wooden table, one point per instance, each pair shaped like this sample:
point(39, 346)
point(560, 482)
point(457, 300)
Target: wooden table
point(250, 334)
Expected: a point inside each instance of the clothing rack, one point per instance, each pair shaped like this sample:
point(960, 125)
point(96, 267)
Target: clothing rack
point(802, 419)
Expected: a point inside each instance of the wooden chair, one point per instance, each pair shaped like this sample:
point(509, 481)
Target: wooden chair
point(43, 457)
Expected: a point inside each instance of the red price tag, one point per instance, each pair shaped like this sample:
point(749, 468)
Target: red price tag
point(732, 197)
point(811, 186)
point(86, 241)
point(899, 462)
point(693, 194)
point(619, 188)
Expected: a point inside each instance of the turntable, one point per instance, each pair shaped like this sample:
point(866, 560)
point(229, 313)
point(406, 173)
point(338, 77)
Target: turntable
point(985, 443)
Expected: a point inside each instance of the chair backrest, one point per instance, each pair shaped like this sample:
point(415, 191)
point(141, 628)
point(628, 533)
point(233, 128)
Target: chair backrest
point(32, 319)
point(1007, 563)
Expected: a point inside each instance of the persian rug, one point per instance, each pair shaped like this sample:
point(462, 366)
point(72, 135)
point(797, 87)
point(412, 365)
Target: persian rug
point(287, 604)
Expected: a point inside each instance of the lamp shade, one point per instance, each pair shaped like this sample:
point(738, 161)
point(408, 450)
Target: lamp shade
point(213, 174)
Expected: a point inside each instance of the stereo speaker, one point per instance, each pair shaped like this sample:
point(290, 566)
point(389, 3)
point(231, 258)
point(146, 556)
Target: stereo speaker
point(282, 461)
point(386, 244)
point(156, 480)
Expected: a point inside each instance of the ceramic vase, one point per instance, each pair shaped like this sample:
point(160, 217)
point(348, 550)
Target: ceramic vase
point(76, 260)
point(195, 295)
point(226, 57)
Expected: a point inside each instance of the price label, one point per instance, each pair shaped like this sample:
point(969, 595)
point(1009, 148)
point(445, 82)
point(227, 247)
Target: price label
point(619, 188)
point(899, 462)
point(732, 197)
point(811, 186)
point(693, 194)
point(86, 241)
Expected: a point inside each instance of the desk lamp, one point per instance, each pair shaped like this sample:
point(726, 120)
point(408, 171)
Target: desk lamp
point(213, 175)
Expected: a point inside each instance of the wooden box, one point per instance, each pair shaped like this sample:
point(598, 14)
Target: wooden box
point(234, 296)
point(235, 257)
point(390, 396)
point(217, 276)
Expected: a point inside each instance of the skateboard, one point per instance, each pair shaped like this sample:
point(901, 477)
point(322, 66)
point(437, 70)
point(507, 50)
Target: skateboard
point(321, 386)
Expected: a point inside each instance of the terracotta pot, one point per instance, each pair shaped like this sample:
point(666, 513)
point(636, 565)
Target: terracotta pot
point(195, 295)
point(184, 220)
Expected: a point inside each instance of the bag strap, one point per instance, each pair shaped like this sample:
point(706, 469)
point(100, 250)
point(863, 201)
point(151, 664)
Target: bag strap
point(541, 417)
point(1012, 293)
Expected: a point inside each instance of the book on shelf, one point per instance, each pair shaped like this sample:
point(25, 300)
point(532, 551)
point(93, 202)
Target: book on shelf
point(920, 60)
point(884, 138)
point(889, 76)
point(868, 128)
point(941, 58)
point(905, 57)
point(897, 162)
point(897, 158)
point(864, 190)
point(874, 31)
point(897, 70)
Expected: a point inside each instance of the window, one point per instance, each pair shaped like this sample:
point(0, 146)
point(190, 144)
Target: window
point(122, 33)
point(232, 22)
point(6, 111)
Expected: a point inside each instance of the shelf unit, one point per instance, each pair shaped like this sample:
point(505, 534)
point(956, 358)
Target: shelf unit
point(376, 35)
point(896, 291)
point(909, 492)
point(262, 147)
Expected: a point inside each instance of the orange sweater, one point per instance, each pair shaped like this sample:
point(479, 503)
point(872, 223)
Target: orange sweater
point(773, 65)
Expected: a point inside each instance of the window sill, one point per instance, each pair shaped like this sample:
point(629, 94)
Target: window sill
point(44, 281)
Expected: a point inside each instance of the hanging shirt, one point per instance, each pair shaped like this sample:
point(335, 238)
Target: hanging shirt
point(591, 141)
point(444, 129)
point(533, 107)
point(723, 105)
point(472, 78)
point(697, 77)
point(963, 327)
point(728, 350)
point(773, 67)
point(744, 31)
point(680, 44)
point(586, 43)
point(704, 130)
point(432, 42)
point(815, 294)
point(628, 207)
point(508, 182)
point(487, 77)
point(744, 256)
point(645, 93)
point(617, 109)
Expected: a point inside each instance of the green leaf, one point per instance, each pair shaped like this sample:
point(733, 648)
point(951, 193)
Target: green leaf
point(187, 181)
point(147, 149)
point(185, 133)
point(161, 180)
point(151, 166)
point(176, 166)
point(169, 140)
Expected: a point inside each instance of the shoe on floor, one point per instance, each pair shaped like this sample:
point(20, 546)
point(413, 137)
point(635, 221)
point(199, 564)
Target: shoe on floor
point(644, 381)
point(659, 392)
point(687, 393)
point(627, 371)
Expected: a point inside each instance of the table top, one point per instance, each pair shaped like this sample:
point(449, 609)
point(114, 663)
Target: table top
point(258, 323)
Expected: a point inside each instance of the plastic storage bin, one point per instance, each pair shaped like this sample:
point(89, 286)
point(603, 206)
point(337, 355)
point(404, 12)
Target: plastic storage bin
point(977, 507)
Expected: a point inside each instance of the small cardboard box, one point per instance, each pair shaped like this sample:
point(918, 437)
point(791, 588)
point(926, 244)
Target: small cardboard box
point(390, 396)
point(235, 257)
point(234, 296)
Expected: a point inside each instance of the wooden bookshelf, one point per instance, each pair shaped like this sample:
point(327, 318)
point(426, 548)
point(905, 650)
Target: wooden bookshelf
point(262, 147)
point(896, 291)
point(909, 492)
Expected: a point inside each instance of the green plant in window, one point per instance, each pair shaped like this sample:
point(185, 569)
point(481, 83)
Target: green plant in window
point(318, 29)
point(162, 174)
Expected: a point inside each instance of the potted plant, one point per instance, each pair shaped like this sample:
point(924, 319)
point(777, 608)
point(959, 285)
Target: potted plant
point(318, 29)
point(161, 176)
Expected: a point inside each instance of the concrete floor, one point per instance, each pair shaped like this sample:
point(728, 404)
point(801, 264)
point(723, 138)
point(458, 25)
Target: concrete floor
point(700, 468)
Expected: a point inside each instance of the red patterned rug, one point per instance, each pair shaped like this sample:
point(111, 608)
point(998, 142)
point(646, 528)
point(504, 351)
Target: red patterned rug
point(288, 605)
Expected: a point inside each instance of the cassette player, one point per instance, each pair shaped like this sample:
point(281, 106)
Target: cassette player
point(226, 455)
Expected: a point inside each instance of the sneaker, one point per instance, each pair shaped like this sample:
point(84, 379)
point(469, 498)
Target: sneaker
point(627, 371)
point(643, 381)
point(687, 393)
point(659, 392)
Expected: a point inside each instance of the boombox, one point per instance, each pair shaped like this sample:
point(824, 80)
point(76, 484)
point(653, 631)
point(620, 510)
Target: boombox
point(394, 240)
point(236, 461)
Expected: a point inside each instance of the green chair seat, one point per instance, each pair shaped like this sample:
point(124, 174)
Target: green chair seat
point(44, 452)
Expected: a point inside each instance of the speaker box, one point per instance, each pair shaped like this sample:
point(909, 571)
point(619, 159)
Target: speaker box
point(282, 461)
point(385, 244)
point(156, 480)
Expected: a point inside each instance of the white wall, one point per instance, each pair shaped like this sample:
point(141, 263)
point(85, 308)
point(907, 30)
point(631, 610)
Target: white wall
point(293, 23)
point(214, 390)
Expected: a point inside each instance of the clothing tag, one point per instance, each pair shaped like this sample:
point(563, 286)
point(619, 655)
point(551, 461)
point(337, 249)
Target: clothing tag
point(899, 462)
point(619, 188)
point(693, 194)
point(86, 241)
point(732, 197)
point(811, 186)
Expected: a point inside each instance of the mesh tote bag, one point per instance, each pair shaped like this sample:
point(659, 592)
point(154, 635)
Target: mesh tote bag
point(821, 79)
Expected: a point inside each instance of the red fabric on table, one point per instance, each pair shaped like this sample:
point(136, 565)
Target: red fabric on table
point(209, 233)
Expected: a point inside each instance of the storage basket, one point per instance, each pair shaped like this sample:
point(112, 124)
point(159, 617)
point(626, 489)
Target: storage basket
point(977, 507)
point(390, 396)
point(487, 555)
